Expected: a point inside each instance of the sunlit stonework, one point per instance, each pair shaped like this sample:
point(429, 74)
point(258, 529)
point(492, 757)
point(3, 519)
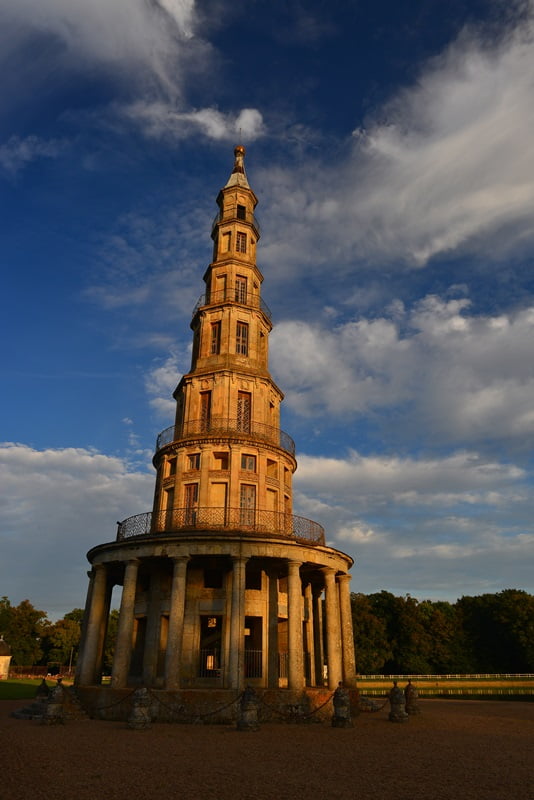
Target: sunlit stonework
point(222, 585)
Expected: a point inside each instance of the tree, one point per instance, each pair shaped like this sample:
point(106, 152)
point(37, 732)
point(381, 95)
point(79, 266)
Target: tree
point(111, 637)
point(61, 641)
point(22, 627)
point(370, 636)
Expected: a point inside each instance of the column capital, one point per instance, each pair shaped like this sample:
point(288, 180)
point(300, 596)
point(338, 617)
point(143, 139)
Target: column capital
point(345, 577)
point(293, 566)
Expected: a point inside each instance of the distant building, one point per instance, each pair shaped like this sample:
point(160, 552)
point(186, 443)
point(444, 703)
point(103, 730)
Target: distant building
point(223, 586)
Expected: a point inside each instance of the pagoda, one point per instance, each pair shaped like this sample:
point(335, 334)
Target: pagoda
point(222, 585)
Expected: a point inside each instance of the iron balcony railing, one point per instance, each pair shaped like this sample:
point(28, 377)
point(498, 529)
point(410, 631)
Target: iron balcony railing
point(235, 295)
point(222, 426)
point(208, 518)
point(248, 217)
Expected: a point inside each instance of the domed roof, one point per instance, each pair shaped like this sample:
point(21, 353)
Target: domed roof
point(5, 649)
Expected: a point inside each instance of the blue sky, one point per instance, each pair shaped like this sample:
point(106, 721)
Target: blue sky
point(391, 148)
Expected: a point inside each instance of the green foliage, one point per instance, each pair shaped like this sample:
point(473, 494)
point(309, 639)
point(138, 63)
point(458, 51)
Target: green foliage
point(491, 633)
point(22, 627)
point(370, 634)
point(61, 641)
point(111, 637)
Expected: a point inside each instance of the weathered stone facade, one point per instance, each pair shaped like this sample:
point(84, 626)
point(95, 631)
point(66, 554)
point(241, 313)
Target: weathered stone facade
point(222, 586)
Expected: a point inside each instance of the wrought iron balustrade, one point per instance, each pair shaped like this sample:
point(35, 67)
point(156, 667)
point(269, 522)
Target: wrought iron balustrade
point(235, 295)
point(218, 518)
point(221, 426)
point(252, 218)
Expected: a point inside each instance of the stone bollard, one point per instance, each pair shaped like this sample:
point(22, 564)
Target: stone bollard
point(55, 712)
point(248, 711)
point(139, 718)
point(411, 696)
point(397, 703)
point(341, 718)
point(42, 692)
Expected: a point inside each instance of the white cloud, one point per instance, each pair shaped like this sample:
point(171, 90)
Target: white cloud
point(160, 383)
point(448, 375)
point(125, 34)
point(446, 166)
point(17, 152)
point(162, 120)
point(431, 527)
point(55, 505)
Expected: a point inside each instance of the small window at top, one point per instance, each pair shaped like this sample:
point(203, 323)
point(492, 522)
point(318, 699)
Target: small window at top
point(241, 212)
point(193, 461)
point(241, 242)
point(248, 462)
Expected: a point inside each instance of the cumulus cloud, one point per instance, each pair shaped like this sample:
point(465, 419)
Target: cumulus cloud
point(433, 527)
point(448, 374)
point(446, 166)
point(56, 505)
point(160, 383)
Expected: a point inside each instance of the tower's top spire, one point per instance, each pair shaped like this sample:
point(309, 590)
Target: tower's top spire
point(238, 176)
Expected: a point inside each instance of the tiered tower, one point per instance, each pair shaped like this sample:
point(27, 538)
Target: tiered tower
point(221, 584)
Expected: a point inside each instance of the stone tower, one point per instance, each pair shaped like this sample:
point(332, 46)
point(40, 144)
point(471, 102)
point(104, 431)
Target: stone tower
point(222, 585)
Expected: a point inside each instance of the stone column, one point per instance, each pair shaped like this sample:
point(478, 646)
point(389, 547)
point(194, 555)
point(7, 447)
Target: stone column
point(310, 637)
point(123, 647)
point(318, 635)
point(347, 636)
point(236, 656)
point(272, 632)
point(333, 628)
point(153, 631)
point(95, 613)
point(294, 613)
point(173, 657)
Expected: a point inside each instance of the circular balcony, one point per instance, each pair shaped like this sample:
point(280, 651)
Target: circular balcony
point(242, 520)
point(219, 426)
point(232, 295)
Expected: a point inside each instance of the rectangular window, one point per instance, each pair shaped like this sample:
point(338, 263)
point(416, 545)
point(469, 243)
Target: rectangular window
point(205, 410)
point(241, 212)
point(272, 468)
point(240, 289)
point(220, 460)
point(168, 506)
point(247, 504)
point(248, 462)
point(193, 461)
point(170, 467)
point(191, 503)
point(215, 345)
point(244, 410)
point(225, 243)
point(241, 242)
point(241, 339)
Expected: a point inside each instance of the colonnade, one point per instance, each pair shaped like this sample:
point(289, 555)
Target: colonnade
point(332, 646)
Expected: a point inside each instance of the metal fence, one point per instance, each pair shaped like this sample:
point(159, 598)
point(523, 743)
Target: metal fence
point(207, 518)
point(223, 426)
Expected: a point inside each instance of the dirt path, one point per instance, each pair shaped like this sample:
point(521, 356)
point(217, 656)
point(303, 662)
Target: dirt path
point(455, 750)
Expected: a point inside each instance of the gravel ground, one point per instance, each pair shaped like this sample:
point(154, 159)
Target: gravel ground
point(455, 750)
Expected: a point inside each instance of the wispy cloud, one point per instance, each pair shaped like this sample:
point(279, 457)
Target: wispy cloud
point(446, 166)
point(17, 152)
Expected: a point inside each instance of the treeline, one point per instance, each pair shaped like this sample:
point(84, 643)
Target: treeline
point(490, 633)
point(36, 641)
